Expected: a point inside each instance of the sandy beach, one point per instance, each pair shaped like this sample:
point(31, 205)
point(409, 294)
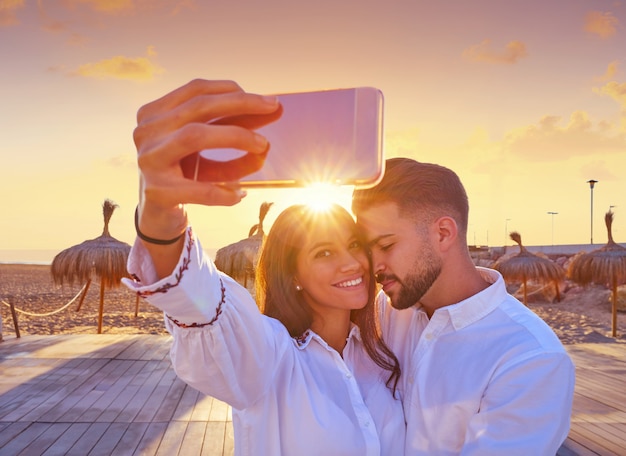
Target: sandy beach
point(582, 315)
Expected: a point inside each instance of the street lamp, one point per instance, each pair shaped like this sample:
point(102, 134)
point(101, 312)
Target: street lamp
point(552, 214)
point(591, 183)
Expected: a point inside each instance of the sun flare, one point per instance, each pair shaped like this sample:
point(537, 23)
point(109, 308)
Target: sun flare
point(320, 196)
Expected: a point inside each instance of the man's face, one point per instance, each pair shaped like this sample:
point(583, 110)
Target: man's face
point(404, 259)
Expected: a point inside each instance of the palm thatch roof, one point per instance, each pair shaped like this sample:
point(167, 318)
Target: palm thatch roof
point(239, 260)
point(527, 266)
point(104, 257)
point(604, 266)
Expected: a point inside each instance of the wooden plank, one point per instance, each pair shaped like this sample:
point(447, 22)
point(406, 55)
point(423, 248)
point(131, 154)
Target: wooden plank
point(69, 392)
point(123, 393)
point(63, 389)
point(171, 401)
point(145, 381)
point(62, 446)
point(186, 404)
point(591, 441)
point(193, 439)
point(89, 439)
point(214, 437)
point(24, 438)
point(160, 351)
point(572, 448)
point(25, 395)
point(219, 411)
point(229, 440)
point(202, 409)
point(93, 390)
point(109, 440)
point(136, 350)
point(130, 440)
point(163, 377)
point(151, 439)
point(46, 439)
point(172, 438)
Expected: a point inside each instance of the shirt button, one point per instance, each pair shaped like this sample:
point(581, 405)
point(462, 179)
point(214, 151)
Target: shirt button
point(429, 336)
point(348, 375)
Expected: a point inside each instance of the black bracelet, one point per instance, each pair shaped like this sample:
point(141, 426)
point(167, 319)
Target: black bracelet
point(153, 240)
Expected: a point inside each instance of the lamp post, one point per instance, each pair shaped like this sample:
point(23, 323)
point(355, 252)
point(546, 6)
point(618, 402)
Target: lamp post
point(552, 214)
point(591, 183)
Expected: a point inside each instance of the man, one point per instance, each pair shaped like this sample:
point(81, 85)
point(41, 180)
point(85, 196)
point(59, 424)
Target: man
point(481, 373)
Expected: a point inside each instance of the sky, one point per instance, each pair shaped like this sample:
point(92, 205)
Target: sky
point(526, 101)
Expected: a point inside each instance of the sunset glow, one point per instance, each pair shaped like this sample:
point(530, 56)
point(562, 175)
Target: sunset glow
point(526, 101)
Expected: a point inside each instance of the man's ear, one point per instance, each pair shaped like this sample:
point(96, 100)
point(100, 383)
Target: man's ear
point(447, 232)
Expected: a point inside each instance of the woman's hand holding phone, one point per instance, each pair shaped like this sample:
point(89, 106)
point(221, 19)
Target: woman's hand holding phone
point(175, 127)
point(181, 123)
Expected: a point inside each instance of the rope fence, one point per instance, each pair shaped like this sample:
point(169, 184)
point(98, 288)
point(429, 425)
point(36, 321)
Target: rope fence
point(14, 310)
point(48, 313)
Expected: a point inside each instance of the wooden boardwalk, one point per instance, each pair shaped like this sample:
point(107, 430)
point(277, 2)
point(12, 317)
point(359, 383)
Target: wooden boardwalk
point(118, 395)
point(103, 395)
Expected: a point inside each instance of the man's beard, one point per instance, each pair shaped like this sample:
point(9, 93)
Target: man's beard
point(415, 285)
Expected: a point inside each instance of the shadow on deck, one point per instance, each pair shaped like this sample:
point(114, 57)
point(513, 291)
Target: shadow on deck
point(118, 395)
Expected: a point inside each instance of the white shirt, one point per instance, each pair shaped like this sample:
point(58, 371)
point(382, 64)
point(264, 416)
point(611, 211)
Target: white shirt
point(289, 396)
point(485, 376)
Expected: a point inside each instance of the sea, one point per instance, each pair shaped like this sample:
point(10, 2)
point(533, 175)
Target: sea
point(34, 256)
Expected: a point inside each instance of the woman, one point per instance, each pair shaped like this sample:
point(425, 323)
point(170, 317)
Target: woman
point(303, 378)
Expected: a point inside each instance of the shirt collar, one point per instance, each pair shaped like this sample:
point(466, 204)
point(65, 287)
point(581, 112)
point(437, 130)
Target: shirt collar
point(476, 307)
point(305, 339)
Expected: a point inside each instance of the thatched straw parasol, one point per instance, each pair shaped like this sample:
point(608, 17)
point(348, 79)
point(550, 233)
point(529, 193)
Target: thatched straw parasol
point(606, 265)
point(526, 266)
point(103, 256)
point(238, 260)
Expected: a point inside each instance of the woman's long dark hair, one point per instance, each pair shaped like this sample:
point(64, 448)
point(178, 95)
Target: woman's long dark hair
point(278, 298)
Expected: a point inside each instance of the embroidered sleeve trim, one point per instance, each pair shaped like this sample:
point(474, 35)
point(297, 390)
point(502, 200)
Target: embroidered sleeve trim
point(179, 273)
point(218, 312)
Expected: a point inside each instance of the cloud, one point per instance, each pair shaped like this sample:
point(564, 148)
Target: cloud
point(120, 67)
point(600, 170)
point(8, 10)
point(611, 71)
point(604, 25)
point(483, 52)
point(548, 140)
point(128, 161)
point(91, 14)
point(107, 6)
point(615, 90)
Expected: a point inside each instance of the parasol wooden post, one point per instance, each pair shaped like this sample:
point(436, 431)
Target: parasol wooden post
point(82, 298)
point(15, 324)
point(137, 306)
point(614, 309)
point(101, 310)
point(525, 293)
point(558, 291)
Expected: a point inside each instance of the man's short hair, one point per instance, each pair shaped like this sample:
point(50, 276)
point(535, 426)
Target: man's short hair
point(421, 191)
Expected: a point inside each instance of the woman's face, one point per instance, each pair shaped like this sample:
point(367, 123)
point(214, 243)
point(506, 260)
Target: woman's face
point(332, 268)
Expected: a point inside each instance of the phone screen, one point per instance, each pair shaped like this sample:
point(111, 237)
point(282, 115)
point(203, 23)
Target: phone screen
point(331, 136)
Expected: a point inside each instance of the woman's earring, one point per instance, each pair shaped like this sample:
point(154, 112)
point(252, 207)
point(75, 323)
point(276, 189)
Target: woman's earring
point(298, 287)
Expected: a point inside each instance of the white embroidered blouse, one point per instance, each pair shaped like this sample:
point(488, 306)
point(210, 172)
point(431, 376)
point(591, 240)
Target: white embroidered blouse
point(289, 396)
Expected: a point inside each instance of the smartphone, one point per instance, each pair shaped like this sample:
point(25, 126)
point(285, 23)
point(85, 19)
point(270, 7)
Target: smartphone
point(328, 136)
